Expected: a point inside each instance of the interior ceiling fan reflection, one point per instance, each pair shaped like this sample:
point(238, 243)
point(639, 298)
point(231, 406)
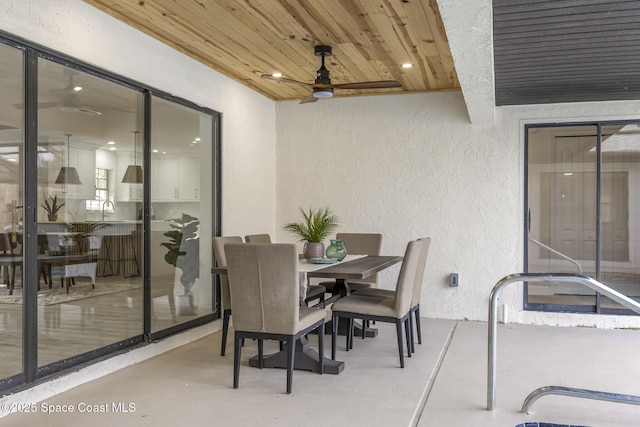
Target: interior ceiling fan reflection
point(322, 87)
point(69, 100)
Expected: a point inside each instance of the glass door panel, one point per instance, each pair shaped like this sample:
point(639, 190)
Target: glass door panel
point(89, 251)
point(562, 189)
point(11, 202)
point(620, 208)
point(181, 214)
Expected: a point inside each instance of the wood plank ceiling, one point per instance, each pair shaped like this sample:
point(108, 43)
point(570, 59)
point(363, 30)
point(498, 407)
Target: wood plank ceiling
point(243, 39)
point(566, 51)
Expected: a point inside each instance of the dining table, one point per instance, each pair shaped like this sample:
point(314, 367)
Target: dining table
point(351, 267)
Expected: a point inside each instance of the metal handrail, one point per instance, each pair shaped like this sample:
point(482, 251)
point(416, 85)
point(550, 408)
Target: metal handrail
point(538, 277)
point(578, 392)
point(560, 254)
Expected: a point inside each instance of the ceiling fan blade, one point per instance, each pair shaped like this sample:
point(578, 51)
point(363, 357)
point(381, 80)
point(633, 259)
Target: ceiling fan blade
point(283, 80)
point(384, 84)
point(40, 105)
point(309, 99)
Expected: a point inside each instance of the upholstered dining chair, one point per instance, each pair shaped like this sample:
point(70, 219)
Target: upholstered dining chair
point(314, 292)
point(359, 244)
point(257, 238)
point(415, 296)
point(395, 310)
point(265, 301)
point(218, 243)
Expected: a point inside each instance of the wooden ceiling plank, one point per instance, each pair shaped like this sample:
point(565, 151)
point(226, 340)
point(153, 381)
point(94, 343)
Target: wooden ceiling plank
point(429, 41)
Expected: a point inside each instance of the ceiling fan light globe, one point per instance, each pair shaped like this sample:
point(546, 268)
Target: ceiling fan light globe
point(323, 93)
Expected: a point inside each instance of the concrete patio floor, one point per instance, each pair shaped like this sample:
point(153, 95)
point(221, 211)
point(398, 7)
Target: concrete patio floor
point(443, 384)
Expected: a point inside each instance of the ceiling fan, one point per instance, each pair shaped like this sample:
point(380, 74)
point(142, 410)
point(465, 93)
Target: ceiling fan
point(68, 100)
point(322, 87)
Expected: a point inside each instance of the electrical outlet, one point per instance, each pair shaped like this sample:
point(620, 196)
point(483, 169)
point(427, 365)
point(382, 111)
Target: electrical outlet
point(453, 280)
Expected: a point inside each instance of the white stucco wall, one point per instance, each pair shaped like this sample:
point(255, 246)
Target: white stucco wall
point(248, 118)
point(410, 166)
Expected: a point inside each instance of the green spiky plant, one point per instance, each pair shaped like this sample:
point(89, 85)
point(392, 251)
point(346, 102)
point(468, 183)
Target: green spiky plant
point(318, 224)
point(184, 249)
point(51, 205)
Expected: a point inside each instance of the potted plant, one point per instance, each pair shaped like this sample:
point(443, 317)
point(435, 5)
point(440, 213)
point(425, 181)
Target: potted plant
point(318, 224)
point(52, 207)
point(79, 233)
point(183, 252)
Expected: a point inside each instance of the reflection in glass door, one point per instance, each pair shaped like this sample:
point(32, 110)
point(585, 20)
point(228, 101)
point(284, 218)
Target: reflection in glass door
point(89, 232)
point(582, 216)
point(11, 212)
point(181, 214)
point(620, 210)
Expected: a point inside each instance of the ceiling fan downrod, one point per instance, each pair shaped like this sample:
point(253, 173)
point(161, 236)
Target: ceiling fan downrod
point(322, 75)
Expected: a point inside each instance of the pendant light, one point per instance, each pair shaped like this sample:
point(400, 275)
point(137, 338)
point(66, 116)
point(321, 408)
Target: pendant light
point(67, 174)
point(134, 174)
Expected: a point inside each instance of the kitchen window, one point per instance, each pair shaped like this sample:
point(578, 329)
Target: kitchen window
point(102, 191)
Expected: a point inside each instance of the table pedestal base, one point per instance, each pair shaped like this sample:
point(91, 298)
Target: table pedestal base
point(343, 328)
point(305, 359)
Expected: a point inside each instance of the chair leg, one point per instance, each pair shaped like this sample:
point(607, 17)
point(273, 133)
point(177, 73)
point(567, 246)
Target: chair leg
point(334, 335)
point(321, 346)
point(236, 361)
point(261, 353)
point(225, 330)
point(417, 315)
point(399, 335)
point(408, 333)
point(291, 349)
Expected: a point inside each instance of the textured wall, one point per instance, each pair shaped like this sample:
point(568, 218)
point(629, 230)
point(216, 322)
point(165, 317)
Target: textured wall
point(412, 165)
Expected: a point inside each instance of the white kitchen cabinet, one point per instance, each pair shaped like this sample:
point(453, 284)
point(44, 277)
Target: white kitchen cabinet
point(178, 180)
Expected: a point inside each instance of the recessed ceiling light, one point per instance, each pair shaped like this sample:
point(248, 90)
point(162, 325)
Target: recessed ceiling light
point(407, 65)
point(77, 88)
point(111, 142)
point(276, 75)
point(112, 148)
point(197, 139)
point(155, 151)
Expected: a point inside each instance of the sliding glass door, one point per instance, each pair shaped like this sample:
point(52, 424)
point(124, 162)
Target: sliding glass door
point(108, 191)
point(11, 208)
point(91, 281)
point(581, 215)
point(181, 214)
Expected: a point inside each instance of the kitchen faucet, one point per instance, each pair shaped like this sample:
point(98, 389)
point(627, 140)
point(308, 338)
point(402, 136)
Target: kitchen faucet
point(107, 202)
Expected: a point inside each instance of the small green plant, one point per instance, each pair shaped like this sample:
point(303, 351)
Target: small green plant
point(51, 205)
point(84, 228)
point(183, 249)
point(318, 224)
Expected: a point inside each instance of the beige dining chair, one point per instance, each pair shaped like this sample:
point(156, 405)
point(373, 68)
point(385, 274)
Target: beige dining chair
point(416, 295)
point(218, 243)
point(314, 292)
point(358, 244)
point(257, 238)
point(265, 301)
point(395, 310)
